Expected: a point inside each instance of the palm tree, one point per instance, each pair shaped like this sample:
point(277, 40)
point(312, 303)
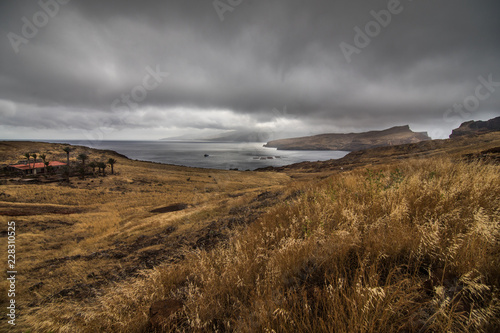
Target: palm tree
point(112, 162)
point(34, 162)
point(83, 157)
point(67, 150)
point(102, 166)
point(93, 165)
point(44, 157)
point(28, 156)
point(47, 164)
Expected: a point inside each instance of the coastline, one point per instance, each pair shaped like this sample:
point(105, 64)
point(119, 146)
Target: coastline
point(207, 155)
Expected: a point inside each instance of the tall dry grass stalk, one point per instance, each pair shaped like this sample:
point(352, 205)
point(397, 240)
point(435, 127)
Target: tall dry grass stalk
point(413, 247)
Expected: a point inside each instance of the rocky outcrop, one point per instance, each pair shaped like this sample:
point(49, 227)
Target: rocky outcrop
point(476, 127)
point(352, 141)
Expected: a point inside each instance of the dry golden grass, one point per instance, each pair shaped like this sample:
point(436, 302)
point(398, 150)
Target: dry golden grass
point(74, 240)
point(412, 247)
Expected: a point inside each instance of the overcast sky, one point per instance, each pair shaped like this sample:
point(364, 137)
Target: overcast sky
point(114, 69)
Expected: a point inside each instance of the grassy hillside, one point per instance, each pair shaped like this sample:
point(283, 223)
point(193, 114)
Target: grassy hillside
point(410, 245)
point(73, 240)
point(413, 247)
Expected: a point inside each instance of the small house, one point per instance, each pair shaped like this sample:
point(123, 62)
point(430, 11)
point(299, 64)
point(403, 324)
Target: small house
point(35, 168)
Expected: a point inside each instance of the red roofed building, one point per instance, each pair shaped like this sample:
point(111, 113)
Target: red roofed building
point(35, 168)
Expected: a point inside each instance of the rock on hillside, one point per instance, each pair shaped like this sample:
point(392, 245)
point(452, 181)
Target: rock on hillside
point(352, 141)
point(476, 127)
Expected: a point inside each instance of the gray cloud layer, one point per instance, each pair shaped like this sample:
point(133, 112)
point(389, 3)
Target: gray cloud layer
point(77, 70)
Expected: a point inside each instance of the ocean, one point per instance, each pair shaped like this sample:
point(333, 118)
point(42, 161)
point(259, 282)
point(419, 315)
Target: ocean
point(213, 155)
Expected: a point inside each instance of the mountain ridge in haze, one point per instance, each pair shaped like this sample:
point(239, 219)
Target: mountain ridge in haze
point(233, 136)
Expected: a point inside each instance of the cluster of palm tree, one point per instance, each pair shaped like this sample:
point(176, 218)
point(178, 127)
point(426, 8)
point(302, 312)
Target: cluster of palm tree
point(34, 155)
point(101, 166)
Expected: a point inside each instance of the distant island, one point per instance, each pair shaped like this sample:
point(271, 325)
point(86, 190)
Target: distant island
point(351, 141)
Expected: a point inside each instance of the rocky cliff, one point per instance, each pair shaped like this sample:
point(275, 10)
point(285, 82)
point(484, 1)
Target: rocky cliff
point(476, 127)
point(351, 141)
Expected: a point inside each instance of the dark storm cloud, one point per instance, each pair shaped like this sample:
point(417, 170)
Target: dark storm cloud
point(80, 66)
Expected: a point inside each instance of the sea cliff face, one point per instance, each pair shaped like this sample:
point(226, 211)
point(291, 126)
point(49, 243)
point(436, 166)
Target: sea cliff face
point(476, 127)
point(351, 141)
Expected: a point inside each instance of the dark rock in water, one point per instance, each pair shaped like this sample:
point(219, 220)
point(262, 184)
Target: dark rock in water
point(476, 127)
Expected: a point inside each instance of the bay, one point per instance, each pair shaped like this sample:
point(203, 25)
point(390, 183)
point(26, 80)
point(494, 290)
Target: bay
point(214, 155)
